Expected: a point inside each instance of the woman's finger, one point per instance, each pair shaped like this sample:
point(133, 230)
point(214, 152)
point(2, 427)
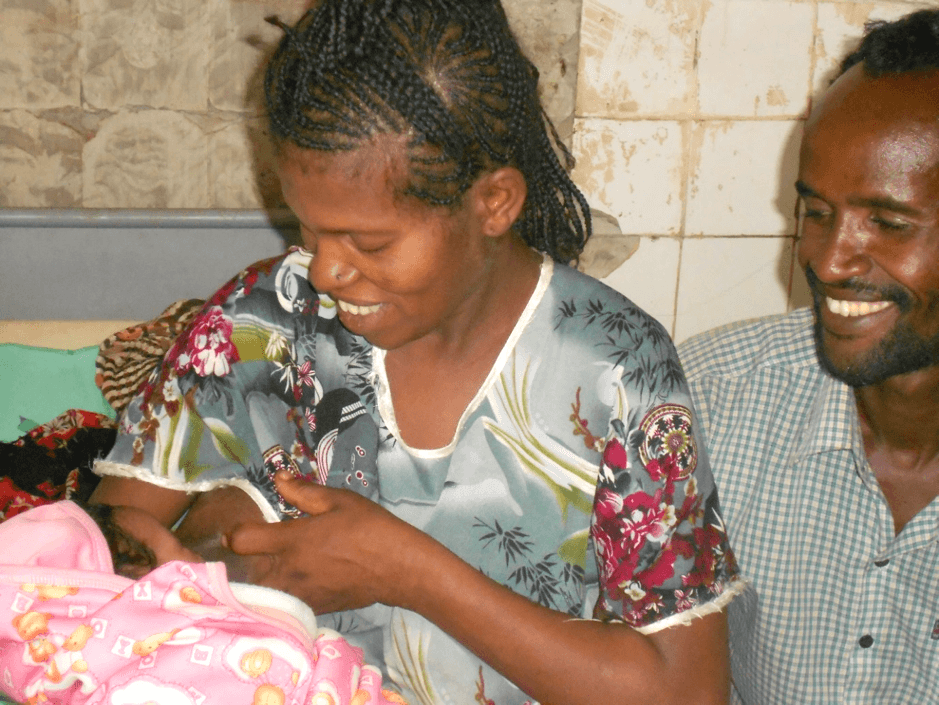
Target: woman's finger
point(306, 496)
point(255, 539)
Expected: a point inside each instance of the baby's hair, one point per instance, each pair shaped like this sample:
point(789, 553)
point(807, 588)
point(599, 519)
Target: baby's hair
point(448, 76)
point(130, 557)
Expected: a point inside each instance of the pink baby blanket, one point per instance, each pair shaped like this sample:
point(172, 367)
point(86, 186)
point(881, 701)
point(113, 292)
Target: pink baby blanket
point(73, 632)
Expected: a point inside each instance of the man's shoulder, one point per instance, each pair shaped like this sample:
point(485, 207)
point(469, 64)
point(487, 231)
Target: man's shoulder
point(740, 348)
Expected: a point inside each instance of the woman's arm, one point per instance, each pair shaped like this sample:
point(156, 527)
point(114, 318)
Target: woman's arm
point(165, 504)
point(350, 552)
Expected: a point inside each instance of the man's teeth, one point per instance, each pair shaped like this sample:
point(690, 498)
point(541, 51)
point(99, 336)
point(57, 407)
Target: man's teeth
point(357, 310)
point(855, 308)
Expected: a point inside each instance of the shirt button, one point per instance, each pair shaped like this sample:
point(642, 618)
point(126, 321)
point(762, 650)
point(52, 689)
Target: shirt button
point(882, 562)
point(866, 641)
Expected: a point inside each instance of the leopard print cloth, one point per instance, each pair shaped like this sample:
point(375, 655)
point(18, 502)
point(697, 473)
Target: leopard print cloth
point(126, 359)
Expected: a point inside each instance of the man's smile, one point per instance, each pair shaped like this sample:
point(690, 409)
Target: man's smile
point(854, 309)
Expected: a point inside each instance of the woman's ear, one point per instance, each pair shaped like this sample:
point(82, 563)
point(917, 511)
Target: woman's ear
point(500, 197)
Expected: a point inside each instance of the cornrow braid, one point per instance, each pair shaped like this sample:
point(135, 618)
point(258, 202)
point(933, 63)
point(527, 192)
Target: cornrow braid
point(447, 74)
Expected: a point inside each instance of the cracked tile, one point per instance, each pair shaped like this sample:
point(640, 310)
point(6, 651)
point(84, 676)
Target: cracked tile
point(39, 43)
point(152, 53)
point(40, 162)
point(147, 159)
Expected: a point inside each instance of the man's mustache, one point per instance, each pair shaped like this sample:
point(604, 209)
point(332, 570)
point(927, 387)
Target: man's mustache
point(895, 294)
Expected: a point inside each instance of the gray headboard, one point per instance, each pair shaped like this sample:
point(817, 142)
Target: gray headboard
point(126, 264)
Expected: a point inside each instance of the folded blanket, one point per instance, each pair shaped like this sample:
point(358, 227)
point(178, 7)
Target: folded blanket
point(53, 461)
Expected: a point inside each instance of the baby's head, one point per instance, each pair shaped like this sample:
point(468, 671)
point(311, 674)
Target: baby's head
point(445, 81)
point(138, 541)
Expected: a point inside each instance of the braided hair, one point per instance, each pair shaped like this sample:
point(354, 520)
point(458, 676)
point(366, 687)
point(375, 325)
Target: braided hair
point(449, 76)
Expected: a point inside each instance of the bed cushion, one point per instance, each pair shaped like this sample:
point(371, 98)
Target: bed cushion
point(37, 384)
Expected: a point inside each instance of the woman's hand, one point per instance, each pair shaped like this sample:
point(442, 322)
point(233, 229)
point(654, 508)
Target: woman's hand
point(348, 553)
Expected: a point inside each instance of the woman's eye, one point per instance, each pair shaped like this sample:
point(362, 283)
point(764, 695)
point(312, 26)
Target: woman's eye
point(370, 246)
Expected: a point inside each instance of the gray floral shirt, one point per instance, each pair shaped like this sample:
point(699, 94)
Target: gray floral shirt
point(576, 476)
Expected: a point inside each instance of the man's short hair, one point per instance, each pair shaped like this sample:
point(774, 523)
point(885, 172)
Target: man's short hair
point(910, 43)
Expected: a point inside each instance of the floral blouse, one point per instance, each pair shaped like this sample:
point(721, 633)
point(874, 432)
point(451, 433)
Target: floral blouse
point(576, 476)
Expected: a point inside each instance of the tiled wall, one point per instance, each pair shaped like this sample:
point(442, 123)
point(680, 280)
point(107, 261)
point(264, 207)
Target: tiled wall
point(684, 115)
point(156, 103)
point(689, 115)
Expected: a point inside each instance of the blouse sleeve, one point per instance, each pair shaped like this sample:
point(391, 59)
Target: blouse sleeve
point(232, 399)
point(657, 529)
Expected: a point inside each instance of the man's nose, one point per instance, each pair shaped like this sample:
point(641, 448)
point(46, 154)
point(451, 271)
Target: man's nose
point(836, 252)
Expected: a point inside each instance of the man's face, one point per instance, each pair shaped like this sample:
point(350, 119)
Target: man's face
point(869, 192)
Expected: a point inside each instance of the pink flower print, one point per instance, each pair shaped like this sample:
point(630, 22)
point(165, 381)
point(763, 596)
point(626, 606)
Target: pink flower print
point(209, 348)
point(622, 529)
point(305, 378)
point(653, 524)
point(685, 600)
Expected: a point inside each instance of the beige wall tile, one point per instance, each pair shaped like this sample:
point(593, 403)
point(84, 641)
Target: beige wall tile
point(648, 278)
point(741, 181)
point(755, 58)
point(241, 173)
point(146, 53)
point(38, 54)
point(548, 33)
point(731, 279)
point(633, 171)
point(41, 161)
point(241, 43)
point(637, 58)
point(147, 159)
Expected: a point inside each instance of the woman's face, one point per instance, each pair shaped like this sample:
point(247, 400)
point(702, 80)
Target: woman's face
point(399, 270)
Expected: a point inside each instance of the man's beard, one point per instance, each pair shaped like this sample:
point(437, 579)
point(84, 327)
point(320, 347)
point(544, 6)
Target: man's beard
point(901, 350)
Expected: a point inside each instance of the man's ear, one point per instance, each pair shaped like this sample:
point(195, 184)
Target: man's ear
point(500, 197)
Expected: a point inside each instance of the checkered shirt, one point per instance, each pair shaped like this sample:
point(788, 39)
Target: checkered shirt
point(840, 609)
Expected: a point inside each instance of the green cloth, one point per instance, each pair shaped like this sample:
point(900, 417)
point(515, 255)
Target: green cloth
point(38, 384)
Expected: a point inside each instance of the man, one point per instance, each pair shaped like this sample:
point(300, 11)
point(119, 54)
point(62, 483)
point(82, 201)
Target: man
point(823, 425)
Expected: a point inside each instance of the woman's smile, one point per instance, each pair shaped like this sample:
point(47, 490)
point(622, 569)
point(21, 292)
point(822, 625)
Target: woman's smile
point(357, 310)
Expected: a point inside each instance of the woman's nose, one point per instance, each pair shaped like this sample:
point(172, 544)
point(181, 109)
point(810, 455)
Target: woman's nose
point(837, 252)
point(330, 267)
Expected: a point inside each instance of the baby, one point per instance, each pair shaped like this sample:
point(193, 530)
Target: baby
point(139, 543)
point(171, 628)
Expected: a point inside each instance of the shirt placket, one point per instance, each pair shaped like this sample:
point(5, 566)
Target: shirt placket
point(871, 629)
point(876, 654)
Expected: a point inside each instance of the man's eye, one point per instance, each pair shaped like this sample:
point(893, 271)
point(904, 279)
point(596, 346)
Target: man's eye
point(890, 225)
point(814, 214)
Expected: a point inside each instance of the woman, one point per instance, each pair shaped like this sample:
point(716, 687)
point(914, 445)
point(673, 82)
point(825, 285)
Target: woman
point(524, 431)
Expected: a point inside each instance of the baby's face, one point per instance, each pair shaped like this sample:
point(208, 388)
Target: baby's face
point(151, 533)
